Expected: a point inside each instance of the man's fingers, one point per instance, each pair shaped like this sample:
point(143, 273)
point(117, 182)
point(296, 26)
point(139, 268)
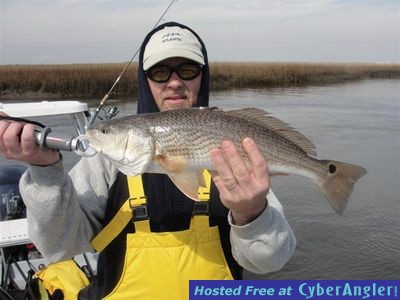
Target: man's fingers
point(236, 176)
point(221, 167)
point(28, 144)
point(11, 138)
point(259, 165)
point(237, 165)
point(3, 128)
point(223, 177)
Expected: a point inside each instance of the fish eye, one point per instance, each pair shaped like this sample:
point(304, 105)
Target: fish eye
point(332, 168)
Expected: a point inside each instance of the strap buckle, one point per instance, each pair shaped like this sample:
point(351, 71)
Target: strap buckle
point(201, 208)
point(139, 212)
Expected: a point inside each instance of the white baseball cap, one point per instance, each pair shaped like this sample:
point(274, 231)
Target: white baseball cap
point(172, 42)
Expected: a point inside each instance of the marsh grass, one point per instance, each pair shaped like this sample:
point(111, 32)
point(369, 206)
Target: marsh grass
point(94, 80)
point(255, 75)
point(65, 81)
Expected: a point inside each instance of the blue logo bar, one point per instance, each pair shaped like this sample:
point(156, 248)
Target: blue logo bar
point(294, 289)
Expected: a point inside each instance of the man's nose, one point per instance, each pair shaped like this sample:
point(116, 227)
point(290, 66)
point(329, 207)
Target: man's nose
point(175, 81)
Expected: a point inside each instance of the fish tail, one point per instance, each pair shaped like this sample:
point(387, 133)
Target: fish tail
point(338, 183)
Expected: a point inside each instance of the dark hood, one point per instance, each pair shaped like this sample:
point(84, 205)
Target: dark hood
point(170, 209)
point(146, 101)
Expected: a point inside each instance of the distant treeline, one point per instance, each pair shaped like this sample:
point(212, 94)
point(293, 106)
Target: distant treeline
point(85, 81)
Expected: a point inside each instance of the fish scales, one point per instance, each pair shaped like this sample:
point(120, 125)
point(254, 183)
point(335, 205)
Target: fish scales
point(187, 137)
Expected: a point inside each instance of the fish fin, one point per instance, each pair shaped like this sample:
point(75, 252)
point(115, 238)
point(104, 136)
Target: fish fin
point(263, 118)
point(187, 183)
point(338, 183)
point(200, 179)
point(172, 164)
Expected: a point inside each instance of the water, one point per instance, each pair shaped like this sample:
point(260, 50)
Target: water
point(356, 122)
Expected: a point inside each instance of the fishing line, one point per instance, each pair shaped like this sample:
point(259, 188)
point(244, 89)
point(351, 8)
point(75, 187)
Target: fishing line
point(96, 112)
point(74, 144)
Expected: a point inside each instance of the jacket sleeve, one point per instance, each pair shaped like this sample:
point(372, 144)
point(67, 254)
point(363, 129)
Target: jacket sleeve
point(265, 244)
point(65, 211)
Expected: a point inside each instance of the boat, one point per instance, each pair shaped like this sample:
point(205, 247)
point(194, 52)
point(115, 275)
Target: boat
point(20, 259)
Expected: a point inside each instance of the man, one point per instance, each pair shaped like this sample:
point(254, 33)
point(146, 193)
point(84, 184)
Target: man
point(155, 256)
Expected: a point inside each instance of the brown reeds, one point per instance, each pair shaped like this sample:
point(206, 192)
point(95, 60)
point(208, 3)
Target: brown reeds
point(255, 75)
point(65, 81)
point(87, 81)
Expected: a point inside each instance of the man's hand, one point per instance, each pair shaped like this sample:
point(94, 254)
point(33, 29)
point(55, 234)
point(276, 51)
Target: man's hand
point(17, 141)
point(243, 189)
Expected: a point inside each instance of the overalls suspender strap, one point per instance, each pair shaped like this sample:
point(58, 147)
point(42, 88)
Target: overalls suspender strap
point(138, 204)
point(136, 207)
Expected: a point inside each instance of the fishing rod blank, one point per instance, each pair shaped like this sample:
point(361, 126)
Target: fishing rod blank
point(96, 112)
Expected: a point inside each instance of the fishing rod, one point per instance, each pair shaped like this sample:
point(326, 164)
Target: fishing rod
point(44, 137)
point(96, 112)
point(79, 144)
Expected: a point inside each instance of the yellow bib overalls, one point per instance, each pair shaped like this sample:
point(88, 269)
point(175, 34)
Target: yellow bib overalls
point(159, 265)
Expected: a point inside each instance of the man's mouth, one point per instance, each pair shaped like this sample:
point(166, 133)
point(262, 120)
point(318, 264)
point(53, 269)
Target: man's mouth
point(176, 97)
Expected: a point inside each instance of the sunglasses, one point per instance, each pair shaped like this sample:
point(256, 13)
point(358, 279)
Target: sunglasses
point(185, 71)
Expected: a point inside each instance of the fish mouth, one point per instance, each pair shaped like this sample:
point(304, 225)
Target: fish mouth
point(92, 144)
point(96, 148)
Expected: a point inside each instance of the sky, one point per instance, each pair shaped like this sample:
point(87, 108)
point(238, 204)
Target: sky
point(102, 31)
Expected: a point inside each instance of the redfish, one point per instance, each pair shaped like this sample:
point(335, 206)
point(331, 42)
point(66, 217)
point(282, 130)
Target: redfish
point(177, 143)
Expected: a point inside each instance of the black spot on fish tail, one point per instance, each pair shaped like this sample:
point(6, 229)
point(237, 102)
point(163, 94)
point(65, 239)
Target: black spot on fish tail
point(338, 183)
